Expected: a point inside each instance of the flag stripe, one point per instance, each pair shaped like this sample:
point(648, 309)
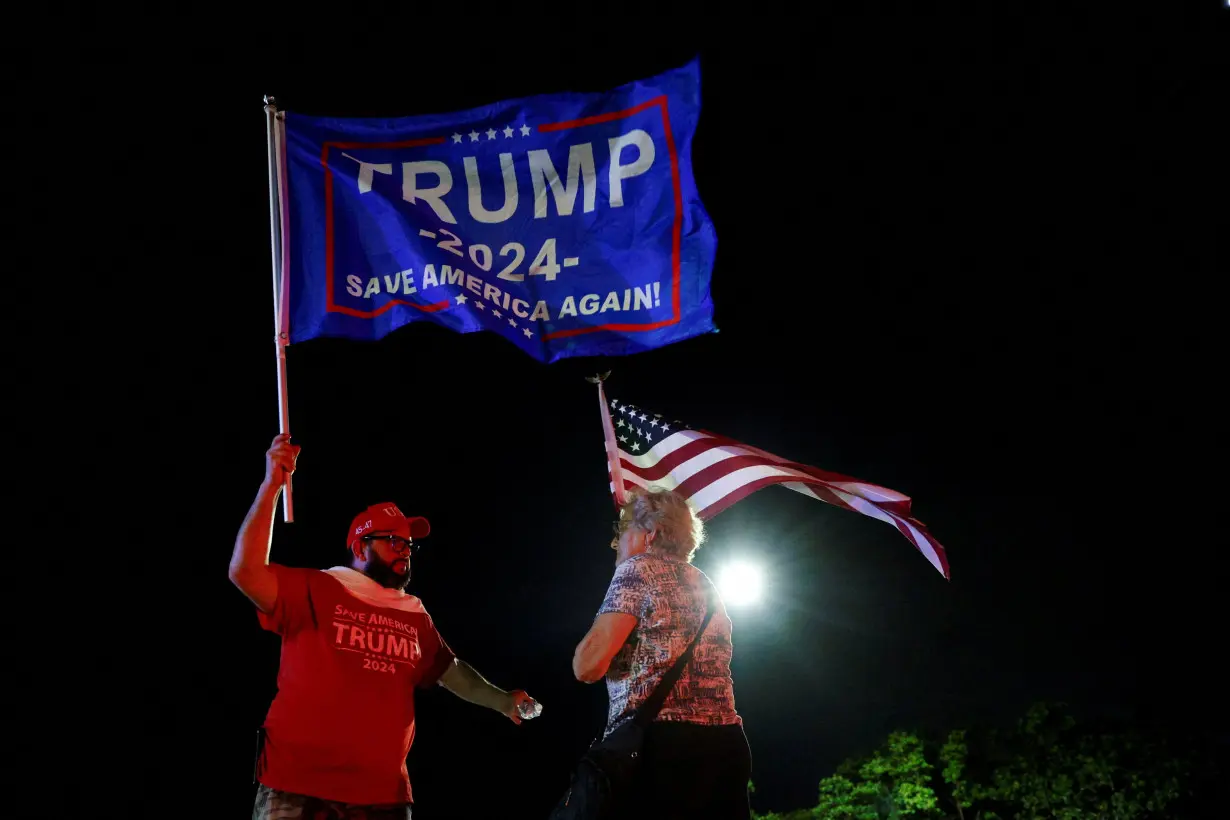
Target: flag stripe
point(612, 448)
point(713, 465)
point(738, 494)
point(670, 452)
point(713, 472)
point(678, 448)
point(706, 461)
point(864, 488)
point(911, 528)
point(700, 462)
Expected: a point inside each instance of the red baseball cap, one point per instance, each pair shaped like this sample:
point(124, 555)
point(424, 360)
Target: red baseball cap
point(386, 517)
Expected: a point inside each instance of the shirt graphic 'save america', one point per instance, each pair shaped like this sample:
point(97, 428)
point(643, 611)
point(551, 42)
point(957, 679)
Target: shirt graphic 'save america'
point(353, 653)
point(668, 598)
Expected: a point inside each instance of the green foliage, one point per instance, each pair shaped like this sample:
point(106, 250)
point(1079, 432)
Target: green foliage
point(1047, 767)
point(894, 781)
point(1056, 770)
point(901, 769)
point(841, 799)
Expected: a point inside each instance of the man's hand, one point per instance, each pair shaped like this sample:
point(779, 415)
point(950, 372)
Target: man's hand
point(511, 709)
point(464, 681)
point(249, 568)
point(280, 459)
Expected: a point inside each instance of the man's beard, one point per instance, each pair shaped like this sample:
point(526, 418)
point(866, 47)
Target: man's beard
point(384, 574)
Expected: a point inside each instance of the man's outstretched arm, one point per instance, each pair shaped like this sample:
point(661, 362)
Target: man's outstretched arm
point(464, 681)
point(250, 560)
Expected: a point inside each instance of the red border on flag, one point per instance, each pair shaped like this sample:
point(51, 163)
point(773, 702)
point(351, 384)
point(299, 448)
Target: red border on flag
point(676, 230)
point(330, 305)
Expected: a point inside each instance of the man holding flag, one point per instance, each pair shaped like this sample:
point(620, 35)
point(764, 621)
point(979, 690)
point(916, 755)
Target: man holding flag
point(568, 224)
point(355, 646)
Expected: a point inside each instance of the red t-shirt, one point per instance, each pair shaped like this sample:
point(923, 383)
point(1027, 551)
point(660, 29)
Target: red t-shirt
point(353, 652)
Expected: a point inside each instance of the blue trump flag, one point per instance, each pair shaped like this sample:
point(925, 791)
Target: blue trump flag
point(568, 223)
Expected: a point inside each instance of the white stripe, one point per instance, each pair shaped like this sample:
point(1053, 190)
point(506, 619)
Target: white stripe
point(732, 481)
point(924, 546)
point(640, 482)
point(853, 500)
point(718, 454)
point(633, 478)
point(800, 487)
point(676, 440)
point(869, 509)
point(724, 486)
point(874, 491)
point(685, 470)
point(663, 448)
point(919, 539)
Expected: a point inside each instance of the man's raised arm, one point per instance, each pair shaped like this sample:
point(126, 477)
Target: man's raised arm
point(250, 561)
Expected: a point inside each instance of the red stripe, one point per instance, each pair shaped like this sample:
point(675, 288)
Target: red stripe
point(899, 521)
point(619, 493)
point(862, 489)
point(677, 232)
point(698, 481)
point(324, 160)
point(744, 490)
point(935, 545)
point(621, 328)
point(415, 143)
point(368, 314)
point(598, 118)
point(671, 461)
point(714, 472)
point(899, 507)
point(738, 494)
point(823, 485)
point(330, 305)
point(826, 494)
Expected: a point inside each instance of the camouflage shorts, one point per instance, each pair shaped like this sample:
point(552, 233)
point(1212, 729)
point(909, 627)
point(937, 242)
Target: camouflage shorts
point(272, 804)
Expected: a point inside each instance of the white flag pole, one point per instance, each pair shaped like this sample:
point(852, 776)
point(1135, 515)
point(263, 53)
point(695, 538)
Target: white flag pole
point(618, 491)
point(277, 244)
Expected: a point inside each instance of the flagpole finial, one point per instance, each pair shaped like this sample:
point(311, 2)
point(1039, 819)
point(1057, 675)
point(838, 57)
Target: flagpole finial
point(598, 378)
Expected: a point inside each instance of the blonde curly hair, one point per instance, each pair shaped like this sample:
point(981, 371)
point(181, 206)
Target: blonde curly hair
point(679, 530)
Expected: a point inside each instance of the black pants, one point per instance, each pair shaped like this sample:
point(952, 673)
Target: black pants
point(689, 771)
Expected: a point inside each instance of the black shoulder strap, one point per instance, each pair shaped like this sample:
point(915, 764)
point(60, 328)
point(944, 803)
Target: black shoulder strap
point(653, 704)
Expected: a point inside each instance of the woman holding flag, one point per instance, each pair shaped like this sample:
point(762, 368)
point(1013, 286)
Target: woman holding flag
point(659, 609)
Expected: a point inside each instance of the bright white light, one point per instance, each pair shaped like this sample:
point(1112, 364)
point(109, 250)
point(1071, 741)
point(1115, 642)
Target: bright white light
point(740, 583)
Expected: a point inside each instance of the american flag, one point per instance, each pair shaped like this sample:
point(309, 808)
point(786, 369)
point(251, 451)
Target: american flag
point(712, 472)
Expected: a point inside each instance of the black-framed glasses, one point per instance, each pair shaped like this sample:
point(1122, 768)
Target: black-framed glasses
point(396, 541)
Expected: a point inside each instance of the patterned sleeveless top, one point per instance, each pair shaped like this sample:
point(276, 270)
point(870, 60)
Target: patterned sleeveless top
point(667, 597)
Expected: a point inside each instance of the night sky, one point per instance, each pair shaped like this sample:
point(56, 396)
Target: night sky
point(968, 255)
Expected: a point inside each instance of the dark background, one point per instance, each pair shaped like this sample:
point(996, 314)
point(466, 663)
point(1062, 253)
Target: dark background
point(968, 254)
